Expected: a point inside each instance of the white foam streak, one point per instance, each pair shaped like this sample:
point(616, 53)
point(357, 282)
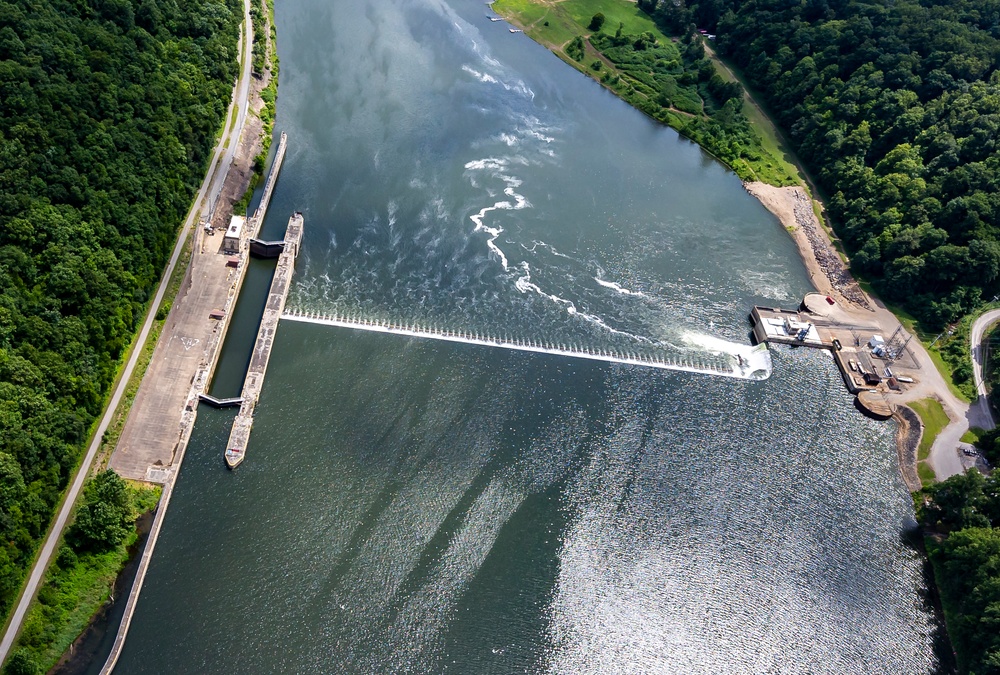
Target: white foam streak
point(524, 284)
point(494, 232)
point(482, 77)
point(520, 202)
point(617, 287)
point(486, 163)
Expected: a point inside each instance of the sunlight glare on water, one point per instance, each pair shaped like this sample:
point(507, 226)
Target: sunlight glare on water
point(418, 506)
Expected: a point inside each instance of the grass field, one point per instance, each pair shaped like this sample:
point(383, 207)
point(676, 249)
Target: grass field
point(557, 25)
point(934, 419)
point(571, 18)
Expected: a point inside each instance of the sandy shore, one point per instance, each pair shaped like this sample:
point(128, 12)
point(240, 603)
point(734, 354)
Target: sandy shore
point(829, 275)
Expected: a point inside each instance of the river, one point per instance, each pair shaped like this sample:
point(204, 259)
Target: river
point(418, 506)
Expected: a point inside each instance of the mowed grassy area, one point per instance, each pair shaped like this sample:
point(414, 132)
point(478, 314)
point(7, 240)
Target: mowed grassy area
point(569, 18)
point(647, 81)
point(934, 419)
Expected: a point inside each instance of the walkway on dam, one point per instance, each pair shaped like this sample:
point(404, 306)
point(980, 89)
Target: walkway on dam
point(254, 381)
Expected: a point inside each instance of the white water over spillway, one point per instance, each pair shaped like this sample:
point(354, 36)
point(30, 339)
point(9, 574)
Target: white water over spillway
point(727, 359)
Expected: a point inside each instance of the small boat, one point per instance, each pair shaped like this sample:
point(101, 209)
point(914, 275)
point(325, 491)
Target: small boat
point(853, 365)
point(516, 30)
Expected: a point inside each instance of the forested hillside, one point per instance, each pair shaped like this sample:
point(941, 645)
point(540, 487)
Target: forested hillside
point(108, 112)
point(963, 513)
point(895, 108)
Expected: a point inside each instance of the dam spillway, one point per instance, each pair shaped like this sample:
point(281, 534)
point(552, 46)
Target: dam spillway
point(743, 362)
point(273, 309)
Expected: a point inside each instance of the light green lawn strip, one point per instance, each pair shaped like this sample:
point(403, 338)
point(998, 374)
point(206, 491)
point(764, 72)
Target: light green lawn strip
point(926, 474)
point(973, 435)
point(934, 420)
point(772, 141)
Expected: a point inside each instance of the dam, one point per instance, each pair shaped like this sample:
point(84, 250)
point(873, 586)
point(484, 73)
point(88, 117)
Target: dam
point(738, 361)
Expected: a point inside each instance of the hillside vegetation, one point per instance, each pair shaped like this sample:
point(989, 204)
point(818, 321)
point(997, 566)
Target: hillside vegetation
point(963, 516)
point(109, 112)
point(671, 79)
point(895, 109)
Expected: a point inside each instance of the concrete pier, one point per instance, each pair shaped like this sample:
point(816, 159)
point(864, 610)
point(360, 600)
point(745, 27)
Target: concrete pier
point(874, 374)
point(185, 357)
point(254, 381)
point(258, 216)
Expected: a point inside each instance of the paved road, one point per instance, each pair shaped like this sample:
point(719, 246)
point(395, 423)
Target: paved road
point(945, 457)
point(230, 137)
point(984, 417)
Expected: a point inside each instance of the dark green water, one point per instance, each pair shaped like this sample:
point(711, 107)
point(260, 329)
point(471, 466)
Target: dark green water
point(424, 507)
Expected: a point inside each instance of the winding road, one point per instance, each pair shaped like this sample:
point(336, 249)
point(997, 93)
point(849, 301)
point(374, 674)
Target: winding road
point(981, 407)
point(944, 457)
point(221, 159)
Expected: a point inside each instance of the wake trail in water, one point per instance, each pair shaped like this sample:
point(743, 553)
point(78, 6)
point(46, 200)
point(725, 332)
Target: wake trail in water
point(524, 284)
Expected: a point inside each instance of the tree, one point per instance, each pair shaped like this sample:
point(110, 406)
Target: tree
point(21, 663)
point(105, 519)
point(596, 22)
point(110, 109)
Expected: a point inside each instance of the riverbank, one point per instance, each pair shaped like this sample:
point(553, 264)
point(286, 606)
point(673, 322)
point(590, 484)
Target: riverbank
point(77, 590)
point(670, 79)
point(557, 27)
point(241, 142)
point(830, 275)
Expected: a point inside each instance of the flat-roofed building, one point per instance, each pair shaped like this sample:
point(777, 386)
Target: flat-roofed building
point(231, 242)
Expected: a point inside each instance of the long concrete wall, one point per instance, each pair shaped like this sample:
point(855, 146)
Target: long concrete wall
point(738, 361)
point(203, 266)
point(254, 381)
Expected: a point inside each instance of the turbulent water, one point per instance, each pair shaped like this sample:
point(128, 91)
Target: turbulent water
point(417, 506)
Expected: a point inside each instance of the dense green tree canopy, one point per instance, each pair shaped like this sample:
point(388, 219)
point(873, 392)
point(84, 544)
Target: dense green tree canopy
point(108, 110)
point(964, 514)
point(105, 518)
point(895, 109)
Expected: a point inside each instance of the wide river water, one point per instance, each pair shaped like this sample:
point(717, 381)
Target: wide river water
point(418, 506)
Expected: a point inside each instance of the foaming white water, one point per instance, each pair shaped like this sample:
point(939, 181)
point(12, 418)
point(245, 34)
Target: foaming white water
point(715, 345)
point(524, 284)
point(482, 77)
point(617, 287)
point(519, 87)
point(520, 202)
point(551, 249)
point(751, 363)
point(494, 232)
